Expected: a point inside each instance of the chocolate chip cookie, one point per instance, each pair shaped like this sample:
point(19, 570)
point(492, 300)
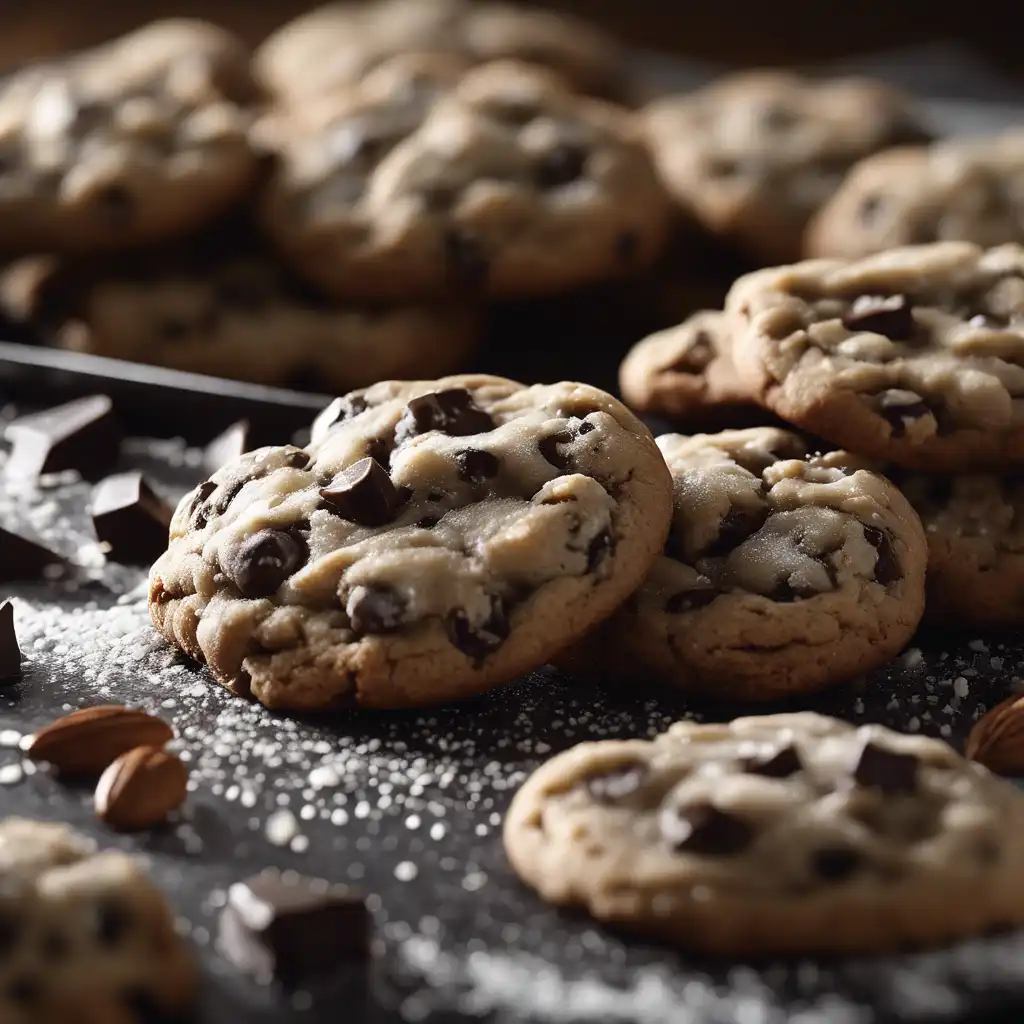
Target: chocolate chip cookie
point(778, 834)
point(783, 573)
point(223, 304)
point(754, 155)
point(912, 195)
point(87, 937)
point(139, 140)
point(499, 184)
point(914, 356)
point(435, 539)
point(332, 47)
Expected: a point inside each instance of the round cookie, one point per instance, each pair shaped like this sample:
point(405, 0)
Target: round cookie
point(949, 192)
point(775, 835)
point(783, 573)
point(914, 355)
point(140, 140)
point(755, 154)
point(500, 183)
point(434, 540)
point(85, 933)
point(223, 304)
point(333, 47)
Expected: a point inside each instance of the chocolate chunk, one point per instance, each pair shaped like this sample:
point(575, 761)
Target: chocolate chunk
point(780, 765)
point(363, 493)
point(887, 770)
point(226, 447)
point(898, 406)
point(10, 652)
point(599, 549)
point(130, 519)
point(735, 528)
point(478, 641)
point(375, 609)
point(298, 459)
point(704, 829)
point(199, 513)
point(697, 356)
point(887, 566)
point(340, 410)
point(452, 412)
point(286, 926)
point(561, 165)
point(833, 864)
point(262, 562)
point(555, 447)
point(689, 600)
point(612, 786)
point(81, 435)
point(465, 259)
point(891, 316)
point(22, 559)
point(475, 465)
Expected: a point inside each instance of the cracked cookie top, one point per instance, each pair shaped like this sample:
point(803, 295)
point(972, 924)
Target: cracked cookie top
point(499, 182)
point(431, 522)
point(914, 356)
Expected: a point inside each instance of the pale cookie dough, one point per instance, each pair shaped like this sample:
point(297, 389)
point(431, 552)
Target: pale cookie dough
point(952, 192)
point(140, 140)
point(774, 835)
point(434, 540)
point(755, 154)
point(914, 356)
point(84, 936)
point(498, 183)
point(783, 573)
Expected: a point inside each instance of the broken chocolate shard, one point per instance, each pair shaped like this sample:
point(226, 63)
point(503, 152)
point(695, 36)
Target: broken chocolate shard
point(363, 493)
point(10, 652)
point(130, 519)
point(286, 926)
point(889, 771)
point(81, 435)
point(226, 447)
point(22, 559)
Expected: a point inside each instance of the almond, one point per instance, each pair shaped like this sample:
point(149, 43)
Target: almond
point(140, 789)
point(86, 741)
point(997, 739)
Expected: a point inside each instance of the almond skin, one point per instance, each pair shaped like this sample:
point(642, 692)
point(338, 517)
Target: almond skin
point(140, 789)
point(997, 739)
point(86, 741)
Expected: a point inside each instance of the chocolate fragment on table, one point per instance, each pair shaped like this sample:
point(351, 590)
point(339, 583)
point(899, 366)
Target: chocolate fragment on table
point(23, 559)
point(10, 652)
point(286, 926)
point(130, 518)
point(80, 435)
point(227, 446)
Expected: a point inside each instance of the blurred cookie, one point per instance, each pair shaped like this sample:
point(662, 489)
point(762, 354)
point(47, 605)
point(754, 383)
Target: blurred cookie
point(754, 155)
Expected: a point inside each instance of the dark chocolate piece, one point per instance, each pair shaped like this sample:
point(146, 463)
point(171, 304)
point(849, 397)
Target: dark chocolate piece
point(836, 863)
point(81, 435)
point(476, 466)
point(286, 926)
point(265, 560)
point(887, 770)
point(363, 493)
point(617, 783)
point(891, 316)
point(10, 652)
point(478, 641)
point(226, 447)
point(375, 609)
point(704, 829)
point(22, 559)
point(130, 519)
point(887, 565)
point(779, 765)
point(452, 412)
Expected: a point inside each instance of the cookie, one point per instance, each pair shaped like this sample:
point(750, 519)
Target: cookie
point(949, 192)
point(914, 355)
point(784, 573)
point(222, 304)
point(434, 540)
point(333, 47)
point(499, 184)
point(140, 140)
point(87, 937)
point(686, 373)
point(775, 835)
point(755, 154)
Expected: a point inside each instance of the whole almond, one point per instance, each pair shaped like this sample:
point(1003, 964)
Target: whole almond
point(140, 789)
point(997, 739)
point(86, 741)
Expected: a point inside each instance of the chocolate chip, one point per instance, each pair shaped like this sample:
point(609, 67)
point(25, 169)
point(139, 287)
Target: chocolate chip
point(561, 165)
point(887, 770)
point(452, 412)
point(779, 765)
point(887, 566)
point(553, 448)
point(736, 527)
point(477, 641)
point(898, 407)
point(439, 197)
point(199, 514)
point(697, 356)
point(465, 259)
point(890, 316)
point(600, 547)
point(363, 493)
point(130, 519)
point(340, 410)
point(116, 204)
point(375, 609)
point(10, 652)
point(428, 522)
point(513, 110)
point(226, 447)
point(612, 786)
point(81, 435)
point(112, 923)
point(704, 829)
point(283, 925)
point(475, 465)
point(627, 247)
point(835, 863)
point(263, 561)
point(689, 600)
point(21, 559)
